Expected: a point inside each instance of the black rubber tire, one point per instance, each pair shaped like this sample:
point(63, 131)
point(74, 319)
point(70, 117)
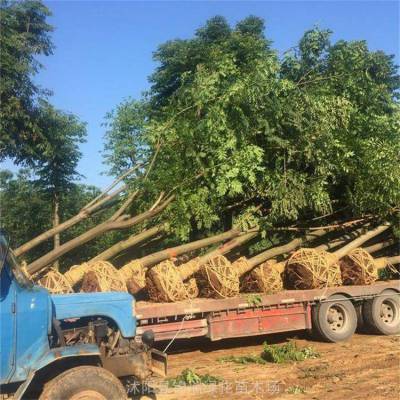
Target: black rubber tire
point(360, 318)
point(330, 331)
point(378, 323)
point(84, 382)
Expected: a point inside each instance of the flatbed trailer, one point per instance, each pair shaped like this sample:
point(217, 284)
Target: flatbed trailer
point(333, 313)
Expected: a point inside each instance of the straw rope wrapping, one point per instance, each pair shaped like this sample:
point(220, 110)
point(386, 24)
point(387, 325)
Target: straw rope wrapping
point(165, 284)
point(134, 274)
point(223, 279)
point(312, 269)
point(76, 272)
point(268, 277)
point(358, 268)
point(104, 277)
point(55, 282)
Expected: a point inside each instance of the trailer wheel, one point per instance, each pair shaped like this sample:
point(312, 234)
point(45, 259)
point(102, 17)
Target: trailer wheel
point(382, 313)
point(334, 320)
point(84, 383)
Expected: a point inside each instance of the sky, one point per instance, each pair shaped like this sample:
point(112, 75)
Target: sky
point(104, 49)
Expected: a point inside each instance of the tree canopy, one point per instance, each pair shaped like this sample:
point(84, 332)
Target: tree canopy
point(25, 34)
point(243, 134)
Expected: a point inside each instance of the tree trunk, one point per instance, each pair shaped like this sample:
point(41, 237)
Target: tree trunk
point(127, 243)
point(276, 251)
point(122, 222)
point(186, 270)
point(173, 252)
point(382, 262)
point(90, 208)
point(56, 222)
point(379, 246)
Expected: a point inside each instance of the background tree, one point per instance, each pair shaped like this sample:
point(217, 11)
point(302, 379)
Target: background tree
point(26, 211)
point(25, 34)
point(57, 167)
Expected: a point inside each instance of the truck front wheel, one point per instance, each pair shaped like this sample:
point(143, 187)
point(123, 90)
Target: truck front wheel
point(84, 383)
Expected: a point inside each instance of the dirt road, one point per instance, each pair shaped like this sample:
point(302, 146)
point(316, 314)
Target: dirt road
point(367, 367)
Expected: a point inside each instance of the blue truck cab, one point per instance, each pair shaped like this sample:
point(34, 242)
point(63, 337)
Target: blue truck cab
point(50, 342)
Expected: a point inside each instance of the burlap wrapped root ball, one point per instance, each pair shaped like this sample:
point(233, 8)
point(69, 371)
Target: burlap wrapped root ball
point(219, 278)
point(312, 269)
point(102, 276)
point(267, 277)
point(358, 268)
point(134, 274)
point(55, 282)
point(164, 284)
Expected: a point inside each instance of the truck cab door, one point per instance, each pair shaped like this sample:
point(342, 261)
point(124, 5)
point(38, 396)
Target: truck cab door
point(7, 324)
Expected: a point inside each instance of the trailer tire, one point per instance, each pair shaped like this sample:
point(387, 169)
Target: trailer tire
point(382, 313)
point(334, 320)
point(84, 383)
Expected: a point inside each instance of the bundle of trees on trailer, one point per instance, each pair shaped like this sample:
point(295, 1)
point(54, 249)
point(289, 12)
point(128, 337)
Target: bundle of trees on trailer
point(157, 277)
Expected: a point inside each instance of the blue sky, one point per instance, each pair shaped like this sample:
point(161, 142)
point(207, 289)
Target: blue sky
point(104, 48)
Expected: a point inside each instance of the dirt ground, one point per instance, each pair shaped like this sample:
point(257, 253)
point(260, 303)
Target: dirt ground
point(367, 367)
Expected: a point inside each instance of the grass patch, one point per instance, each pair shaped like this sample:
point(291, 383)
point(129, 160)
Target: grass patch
point(287, 352)
point(295, 390)
point(274, 353)
point(314, 372)
point(254, 299)
point(247, 359)
point(188, 378)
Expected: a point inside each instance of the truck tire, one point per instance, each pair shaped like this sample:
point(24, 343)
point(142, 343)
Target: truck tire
point(334, 320)
point(382, 313)
point(84, 383)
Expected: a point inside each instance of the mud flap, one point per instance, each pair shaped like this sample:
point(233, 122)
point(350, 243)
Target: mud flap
point(159, 362)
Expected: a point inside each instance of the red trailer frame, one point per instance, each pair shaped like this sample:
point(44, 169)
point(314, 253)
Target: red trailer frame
point(245, 315)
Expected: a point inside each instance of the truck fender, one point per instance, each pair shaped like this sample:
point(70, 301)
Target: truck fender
point(53, 355)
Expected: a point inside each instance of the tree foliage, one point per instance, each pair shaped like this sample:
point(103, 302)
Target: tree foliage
point(25, 34)
point(240, 132)
point(57, 165)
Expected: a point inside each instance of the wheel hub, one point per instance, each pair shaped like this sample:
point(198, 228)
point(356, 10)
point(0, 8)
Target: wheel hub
point(336, 318)
point(388, 312)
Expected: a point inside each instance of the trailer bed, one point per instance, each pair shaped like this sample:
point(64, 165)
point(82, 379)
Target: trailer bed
point(245, 315)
